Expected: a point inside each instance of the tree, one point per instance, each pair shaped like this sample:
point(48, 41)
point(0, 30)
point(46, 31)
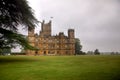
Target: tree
point(5, 51)
point(96, 52)
point(12, 14)
point(78, 47)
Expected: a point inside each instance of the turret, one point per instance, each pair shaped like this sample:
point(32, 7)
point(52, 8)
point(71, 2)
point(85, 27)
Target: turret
point(31, 39)
point(31, 32)
point(61, 34)
point(71, 33)
point(42, 25)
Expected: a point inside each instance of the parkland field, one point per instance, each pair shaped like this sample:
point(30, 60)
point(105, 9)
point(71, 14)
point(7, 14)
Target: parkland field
point(85, 67)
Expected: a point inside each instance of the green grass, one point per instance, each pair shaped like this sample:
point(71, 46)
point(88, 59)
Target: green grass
point(60, 67)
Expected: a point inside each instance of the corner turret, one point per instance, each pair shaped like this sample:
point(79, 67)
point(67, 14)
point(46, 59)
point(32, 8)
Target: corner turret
point(71, 33)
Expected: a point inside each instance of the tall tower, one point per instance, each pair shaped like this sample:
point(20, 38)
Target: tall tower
point(71, 37)
point(46, 29)
point(71, 33)
point(31, 39)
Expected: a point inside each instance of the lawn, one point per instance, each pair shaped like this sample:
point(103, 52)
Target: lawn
point(60, 67)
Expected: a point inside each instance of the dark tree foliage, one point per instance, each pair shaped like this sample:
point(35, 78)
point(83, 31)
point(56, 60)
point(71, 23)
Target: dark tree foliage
point(12, 14)
point(15, 12)
point(96, 52)
point(78, 47)
point(11, 39)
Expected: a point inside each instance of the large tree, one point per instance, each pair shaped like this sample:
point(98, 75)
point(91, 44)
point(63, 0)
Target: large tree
point(78, 47)
point(12, 14)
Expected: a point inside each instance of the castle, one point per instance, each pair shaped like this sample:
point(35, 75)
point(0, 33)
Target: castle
point(51, 45)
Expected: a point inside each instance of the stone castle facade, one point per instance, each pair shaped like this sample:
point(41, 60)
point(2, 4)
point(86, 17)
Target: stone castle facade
point(51, 45)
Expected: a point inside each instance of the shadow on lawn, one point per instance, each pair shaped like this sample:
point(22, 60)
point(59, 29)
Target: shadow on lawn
point(15, 59)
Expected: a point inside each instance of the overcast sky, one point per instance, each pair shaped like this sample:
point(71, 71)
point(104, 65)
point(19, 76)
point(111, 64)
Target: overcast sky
point(96, 22)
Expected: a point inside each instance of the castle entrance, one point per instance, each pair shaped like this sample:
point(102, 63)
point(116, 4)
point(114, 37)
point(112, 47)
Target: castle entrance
point(44, 53)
